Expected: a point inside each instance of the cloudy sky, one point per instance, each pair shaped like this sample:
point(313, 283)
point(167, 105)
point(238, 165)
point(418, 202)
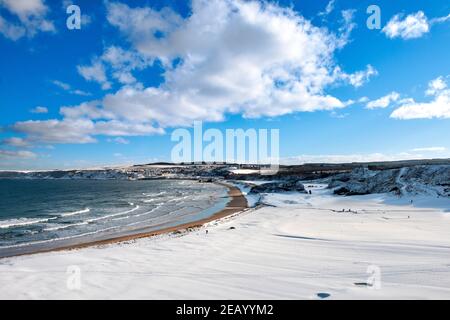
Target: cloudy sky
point(113, 91)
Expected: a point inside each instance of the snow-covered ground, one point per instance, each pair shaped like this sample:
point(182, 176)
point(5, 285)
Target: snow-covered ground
point(302, 246)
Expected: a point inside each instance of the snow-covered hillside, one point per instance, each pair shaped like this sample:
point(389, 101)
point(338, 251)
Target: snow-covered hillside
point(432, 180)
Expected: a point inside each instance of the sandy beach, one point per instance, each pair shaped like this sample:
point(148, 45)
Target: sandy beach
point(299, 246)
point(237, 203)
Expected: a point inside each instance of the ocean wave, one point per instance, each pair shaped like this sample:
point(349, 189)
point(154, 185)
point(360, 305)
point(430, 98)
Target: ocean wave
point(12, 223)
point(148, 212)
point(60, 227)
point(149, 200)
point(112, 215)
point(178, 198)
point(69, 214)
point(91, 233)
point(121, 218)
point(154, 194)
point(20, 245)
point(140, 214)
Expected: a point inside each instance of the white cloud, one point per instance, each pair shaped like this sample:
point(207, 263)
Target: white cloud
point(31, 18)
point(121, 62)
point(15, 142)
point(95, 72)
point(68, 87)
point(61, 84)
point(10, 30)
point(347, 27)
point(8, 154)
point(234, 56)
point(358, 78)
point(80, 93)
point(430, 149)
point(25, 8)
point(90, 110)
point(328, 9)
point(436, 86)
point(119, 58)
point(56, 131)
point(80, 130)
point(440, 19)
point(120, 140)
point(124, 128)
point(86, 20)
point(336, 115)
point(413, 26)
point(39, 109)
point(383, 102)
point(438, 107)
point(228, 56)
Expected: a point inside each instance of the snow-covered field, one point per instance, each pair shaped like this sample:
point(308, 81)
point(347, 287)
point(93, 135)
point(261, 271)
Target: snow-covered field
point(302, 246)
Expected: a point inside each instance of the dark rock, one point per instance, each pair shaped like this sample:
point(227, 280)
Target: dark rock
point(342, 191)
point(362, 284)
point(281, 186)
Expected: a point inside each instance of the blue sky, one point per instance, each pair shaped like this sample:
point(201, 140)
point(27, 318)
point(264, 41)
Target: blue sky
point(113, 91)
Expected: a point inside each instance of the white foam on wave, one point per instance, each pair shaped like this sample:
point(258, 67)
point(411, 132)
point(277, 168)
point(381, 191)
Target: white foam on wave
point(178, 198)
point(69, 214)
point(58, 239)
point(91, 232)
point(139, 215)
point(148, 212)
point(20, 245)
point(112, 215)
point(121, 218)
point(60, 227)
point(20, 222)
point(154, 194)
point(149, 200)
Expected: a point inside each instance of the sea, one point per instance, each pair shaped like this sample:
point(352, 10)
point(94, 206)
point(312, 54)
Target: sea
point(38, 215)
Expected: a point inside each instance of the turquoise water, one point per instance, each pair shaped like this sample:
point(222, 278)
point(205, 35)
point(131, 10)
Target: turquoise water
point(37, 214)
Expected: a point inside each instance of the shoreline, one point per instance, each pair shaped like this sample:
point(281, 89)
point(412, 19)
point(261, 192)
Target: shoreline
point(237, 203)
point(301, 247)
